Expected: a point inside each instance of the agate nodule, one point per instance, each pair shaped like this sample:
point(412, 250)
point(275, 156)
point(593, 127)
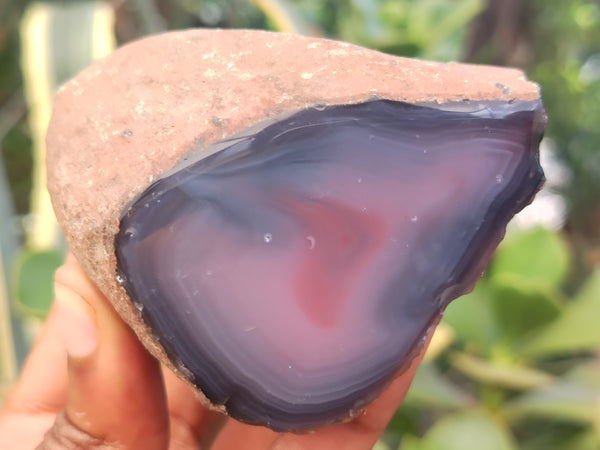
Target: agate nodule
point(288, 260)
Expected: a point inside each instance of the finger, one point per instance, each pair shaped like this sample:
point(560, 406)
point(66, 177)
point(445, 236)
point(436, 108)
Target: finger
point(42, 386)
point(40, 392)
point(191, 424)
point(116, 395)
point(236, 435)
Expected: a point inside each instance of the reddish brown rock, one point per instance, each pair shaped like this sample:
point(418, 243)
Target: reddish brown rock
point(127, 119)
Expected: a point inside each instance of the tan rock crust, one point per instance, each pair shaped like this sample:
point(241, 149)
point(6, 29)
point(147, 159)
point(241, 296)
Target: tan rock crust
point(129, 117)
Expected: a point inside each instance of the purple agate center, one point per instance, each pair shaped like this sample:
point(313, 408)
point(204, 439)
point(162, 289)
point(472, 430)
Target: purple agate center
point(293, 272)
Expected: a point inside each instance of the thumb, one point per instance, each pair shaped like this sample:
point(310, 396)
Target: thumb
point(116, 395)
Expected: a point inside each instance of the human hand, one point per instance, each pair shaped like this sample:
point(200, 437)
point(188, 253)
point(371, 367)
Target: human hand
point(90, 384)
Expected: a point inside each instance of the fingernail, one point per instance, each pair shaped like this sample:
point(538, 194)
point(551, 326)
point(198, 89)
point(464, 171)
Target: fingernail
point(78, 326)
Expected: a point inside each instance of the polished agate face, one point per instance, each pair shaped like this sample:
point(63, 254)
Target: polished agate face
point(295, 270)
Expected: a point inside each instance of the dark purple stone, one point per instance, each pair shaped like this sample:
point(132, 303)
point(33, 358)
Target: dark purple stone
point(295, 270)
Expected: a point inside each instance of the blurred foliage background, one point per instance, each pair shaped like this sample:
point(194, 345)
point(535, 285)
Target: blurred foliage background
point(516, 363)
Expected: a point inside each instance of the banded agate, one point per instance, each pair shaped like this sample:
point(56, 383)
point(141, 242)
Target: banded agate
point(291, 271)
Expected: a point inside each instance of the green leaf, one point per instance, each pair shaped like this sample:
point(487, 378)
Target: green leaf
point(410, 442)
point(562, 400)
point(586, 440)
point(472, 319)
point(34, 286)
point(504, 375)
point(431, 388)
point(522, 305)
point(573, 397)
point(585, 374)
point(455, 17)
point(380, 445)
point(536, 254)
point(432, 29)
point(577, 329)
point(559, 438)
point(468, 430)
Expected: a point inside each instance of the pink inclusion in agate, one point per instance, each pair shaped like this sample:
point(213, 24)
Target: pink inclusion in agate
point(291, 274)
point(336, 259)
